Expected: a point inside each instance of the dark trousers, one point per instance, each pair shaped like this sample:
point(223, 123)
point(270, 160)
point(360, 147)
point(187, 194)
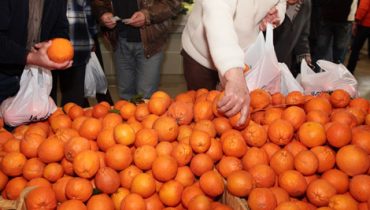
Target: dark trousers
point(9, 85)
point(362, 34)
point(198, 76)
point(72, 85)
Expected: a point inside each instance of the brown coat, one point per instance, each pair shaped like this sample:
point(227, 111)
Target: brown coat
point(158, 14)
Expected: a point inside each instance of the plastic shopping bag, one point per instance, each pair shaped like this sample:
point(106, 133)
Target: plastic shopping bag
point(95, 80)
point(32, 102)
point(264, 67)
point(332, 76)
point(288, 82)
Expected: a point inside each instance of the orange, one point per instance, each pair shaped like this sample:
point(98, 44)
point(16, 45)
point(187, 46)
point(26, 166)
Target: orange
point(107, 180)
point(167, 162)
point(318, 103)
point(166, 128)
point(261, 197)
point(203, 110)
point(263, 175)
point(105, 139)
point(255, 135)
point(41, 198)
point(141, 111)
point(233, 143)
point(72, 205)
point(185, 176)
point(12, 163)
point(295, 147)
point(118, 196)
point(295, 115)
point(254, 156)
point(326, 157)
point(146, 136)
point(338, 179)
point(280, 132)
point(240, 183)
point(200, 164)
point(127, 175)
point(229, 164)
point(338, 134)
point(127, 110)
point(352, 160)
point(110, 120)
point(100, 110)
point(319, 192)
point(59, 188)
point(259, 99)
point(199, 202)
point(215, 150)
point(340, 98)
point(342, 202)
point(295, 98)
point(74, 146)
point(30, 144)
point(14, 188)
point(182, 153)
point(86, 164)
point(118, 157)
point(90, 128)
point(182, 112)
point(306, 162)
point(133, 201)
point(79, 188)
point(170, 193)
point(293, 182)
point(212, 183)
point(282, 161)
point(124, 134)
point(359, 187)
point(53, 172)
point(312, 134)
point(144, 157)
point(101, 201)
point(200, 141)
point(143, 184)
point(60, 50)
point(190, 192)
point(280, 194)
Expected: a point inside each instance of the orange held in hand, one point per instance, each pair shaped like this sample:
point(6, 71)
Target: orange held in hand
point(60, 50)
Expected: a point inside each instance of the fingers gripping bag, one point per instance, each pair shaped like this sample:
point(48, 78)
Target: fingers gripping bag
point(32, 102)
point(264, 69)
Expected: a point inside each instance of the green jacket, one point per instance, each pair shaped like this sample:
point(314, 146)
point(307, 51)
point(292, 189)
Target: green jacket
point(159, 15)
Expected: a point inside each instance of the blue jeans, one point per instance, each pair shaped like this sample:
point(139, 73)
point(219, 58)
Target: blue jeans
point(333, 39)
point(136, 74)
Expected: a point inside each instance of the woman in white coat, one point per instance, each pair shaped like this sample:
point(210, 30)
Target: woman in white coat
point(214, 39)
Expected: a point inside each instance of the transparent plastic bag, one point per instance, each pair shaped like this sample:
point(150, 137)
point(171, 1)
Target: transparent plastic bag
point(264, 69)
point(288, 82)
point(95, 80)
point(32, 102)
point(332, 76)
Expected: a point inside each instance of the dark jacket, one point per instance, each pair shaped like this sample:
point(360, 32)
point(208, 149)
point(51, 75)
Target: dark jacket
point(13, 38)
point(158, 14)
point(13, 30)
point(335, 10)
point(291, 38)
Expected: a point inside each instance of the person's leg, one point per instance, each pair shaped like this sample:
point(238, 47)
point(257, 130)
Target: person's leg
point(72, 85)
point(362, 34)
point(101, 97)
point(148, 72)
point(323, 44)
point(125, 69)
point(197, 76)
point(342, 37)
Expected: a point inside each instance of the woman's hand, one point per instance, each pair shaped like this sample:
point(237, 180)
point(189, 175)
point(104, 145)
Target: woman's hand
point(107, 20)
point(236, 98)
point(271, 17)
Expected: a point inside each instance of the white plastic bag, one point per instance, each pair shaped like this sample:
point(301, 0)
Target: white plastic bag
point(95, 80)
point(264, 67)
point(32, 102)
point(288, 82)
point(333, 76)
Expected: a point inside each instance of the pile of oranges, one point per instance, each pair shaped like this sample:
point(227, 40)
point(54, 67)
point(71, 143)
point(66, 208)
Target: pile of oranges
point(295, 152)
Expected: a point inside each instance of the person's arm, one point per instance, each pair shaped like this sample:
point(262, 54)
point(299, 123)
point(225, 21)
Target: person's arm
point(11, 52)
point(275, 15)
point(161, 11)
point(362, 10)
point(227, 56)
